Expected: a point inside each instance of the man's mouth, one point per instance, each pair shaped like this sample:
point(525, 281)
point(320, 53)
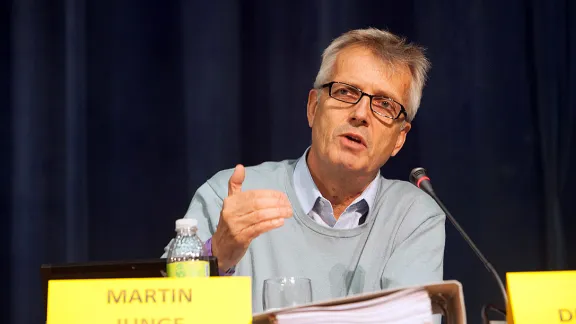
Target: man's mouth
point(355, 138)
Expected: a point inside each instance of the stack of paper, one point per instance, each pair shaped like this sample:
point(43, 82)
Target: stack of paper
point(405, 306)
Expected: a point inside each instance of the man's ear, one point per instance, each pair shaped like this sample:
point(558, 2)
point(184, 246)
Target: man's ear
point(401, 139)
point(312, 105)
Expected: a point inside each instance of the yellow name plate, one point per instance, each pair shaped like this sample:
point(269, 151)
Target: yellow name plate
point(150, 301)
point(542, 297)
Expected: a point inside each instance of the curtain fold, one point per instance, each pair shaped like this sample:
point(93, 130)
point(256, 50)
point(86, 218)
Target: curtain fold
point(552, 90)
point(211, 85)
point(76, 196)
point(28, 186)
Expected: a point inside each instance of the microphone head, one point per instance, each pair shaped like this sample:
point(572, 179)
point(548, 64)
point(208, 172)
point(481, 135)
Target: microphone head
point(416, 174)
point(419, 178)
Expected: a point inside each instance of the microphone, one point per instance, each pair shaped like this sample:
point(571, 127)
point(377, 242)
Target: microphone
point(419, 178)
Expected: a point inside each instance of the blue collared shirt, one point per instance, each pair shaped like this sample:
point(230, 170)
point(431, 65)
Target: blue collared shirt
point(320, 209)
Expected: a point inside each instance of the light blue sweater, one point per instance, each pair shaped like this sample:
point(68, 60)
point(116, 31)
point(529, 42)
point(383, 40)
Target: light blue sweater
point(401, 243)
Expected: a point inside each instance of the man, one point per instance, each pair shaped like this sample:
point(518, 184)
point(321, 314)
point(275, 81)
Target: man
point(330, 216)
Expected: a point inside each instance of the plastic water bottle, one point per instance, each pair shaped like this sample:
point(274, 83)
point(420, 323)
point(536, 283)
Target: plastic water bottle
point(183, 259)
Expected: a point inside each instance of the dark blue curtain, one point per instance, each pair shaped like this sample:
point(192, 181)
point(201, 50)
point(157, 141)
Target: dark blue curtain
point(114, 112)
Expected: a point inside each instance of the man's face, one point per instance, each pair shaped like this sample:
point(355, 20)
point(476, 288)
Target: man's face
point(333, 121)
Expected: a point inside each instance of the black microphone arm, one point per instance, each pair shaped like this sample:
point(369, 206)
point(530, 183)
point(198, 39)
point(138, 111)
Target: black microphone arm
point(419, 178)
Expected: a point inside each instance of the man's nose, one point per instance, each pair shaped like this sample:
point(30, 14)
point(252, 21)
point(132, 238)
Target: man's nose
point(361, 110)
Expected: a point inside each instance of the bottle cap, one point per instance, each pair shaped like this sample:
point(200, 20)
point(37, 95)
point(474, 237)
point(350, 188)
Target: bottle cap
point(186, 223)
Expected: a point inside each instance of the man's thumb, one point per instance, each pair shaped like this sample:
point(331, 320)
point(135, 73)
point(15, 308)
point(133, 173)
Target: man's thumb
point(235, 182)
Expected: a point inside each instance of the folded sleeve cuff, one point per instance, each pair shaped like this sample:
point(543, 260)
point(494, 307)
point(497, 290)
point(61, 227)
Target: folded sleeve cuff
point(208, 249)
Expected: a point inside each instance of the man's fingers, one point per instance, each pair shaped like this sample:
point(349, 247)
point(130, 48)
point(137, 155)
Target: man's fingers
point(265, 193)
point(265, 202)
point(251, 232)
point(244, 202)
point(267, 214)
point(235, 182)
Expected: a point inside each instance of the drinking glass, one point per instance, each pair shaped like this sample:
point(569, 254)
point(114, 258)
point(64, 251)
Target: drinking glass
point(286, 292)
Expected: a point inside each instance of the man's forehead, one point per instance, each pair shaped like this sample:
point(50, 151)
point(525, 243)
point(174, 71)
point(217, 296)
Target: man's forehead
point(361, 67)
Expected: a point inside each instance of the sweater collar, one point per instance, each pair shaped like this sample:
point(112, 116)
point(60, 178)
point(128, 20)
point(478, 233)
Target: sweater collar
point(308, 193)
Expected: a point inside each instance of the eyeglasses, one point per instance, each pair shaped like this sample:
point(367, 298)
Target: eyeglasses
point(383, 106)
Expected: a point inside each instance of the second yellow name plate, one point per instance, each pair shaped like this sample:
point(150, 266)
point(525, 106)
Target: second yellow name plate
point(542, 297)
point(150, 301)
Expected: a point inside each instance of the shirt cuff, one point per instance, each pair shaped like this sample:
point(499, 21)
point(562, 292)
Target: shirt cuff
point(208, 249)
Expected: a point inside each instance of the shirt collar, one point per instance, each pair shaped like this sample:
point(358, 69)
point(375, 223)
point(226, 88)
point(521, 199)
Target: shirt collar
point(307, 191)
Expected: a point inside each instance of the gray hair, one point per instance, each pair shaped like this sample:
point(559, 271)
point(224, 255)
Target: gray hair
point(391, 49)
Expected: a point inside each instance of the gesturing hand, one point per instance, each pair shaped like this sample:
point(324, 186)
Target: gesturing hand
point(244, 216)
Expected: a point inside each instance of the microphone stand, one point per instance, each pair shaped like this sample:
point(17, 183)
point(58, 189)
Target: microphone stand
point(487, 264)
point(419, 179)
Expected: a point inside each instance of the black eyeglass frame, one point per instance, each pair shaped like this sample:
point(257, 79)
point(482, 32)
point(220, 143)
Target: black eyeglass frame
point(362, 94)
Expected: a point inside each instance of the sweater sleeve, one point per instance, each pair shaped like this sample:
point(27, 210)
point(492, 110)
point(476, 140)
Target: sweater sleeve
point(205, 207)
point(418, 256)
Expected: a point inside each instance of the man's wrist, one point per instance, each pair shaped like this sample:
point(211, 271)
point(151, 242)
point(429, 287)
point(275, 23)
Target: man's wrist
point(208, 249)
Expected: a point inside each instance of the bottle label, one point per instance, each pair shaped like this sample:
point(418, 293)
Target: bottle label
point(192, 268)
